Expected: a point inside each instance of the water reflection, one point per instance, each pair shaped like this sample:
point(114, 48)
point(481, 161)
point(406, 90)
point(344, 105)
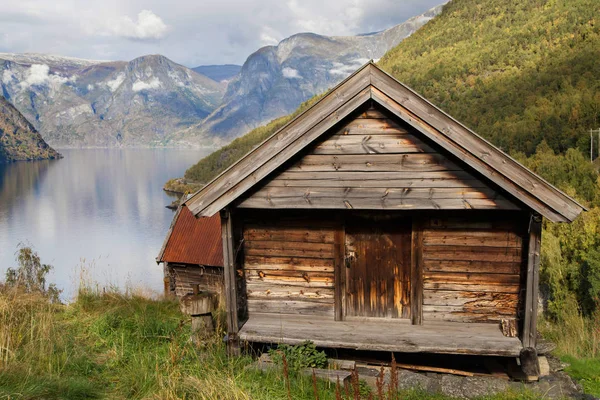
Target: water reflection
point(102, 205)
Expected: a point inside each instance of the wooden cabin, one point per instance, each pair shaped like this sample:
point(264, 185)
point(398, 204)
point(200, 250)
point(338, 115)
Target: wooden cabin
point(375, 221)
point(192, 254)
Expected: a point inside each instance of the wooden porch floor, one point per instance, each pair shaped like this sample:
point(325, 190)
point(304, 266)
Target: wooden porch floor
point(381, 335)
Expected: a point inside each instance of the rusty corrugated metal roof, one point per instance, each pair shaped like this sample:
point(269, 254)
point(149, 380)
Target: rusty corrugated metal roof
point(194, 240)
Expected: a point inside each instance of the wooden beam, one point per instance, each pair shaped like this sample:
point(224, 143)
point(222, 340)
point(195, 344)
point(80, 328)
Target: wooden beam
point(230, 283)
point(533, 277)
point(340, 272)
point(416, 272)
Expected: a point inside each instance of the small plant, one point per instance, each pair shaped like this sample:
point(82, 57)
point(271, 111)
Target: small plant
point(300, 356)
point(30, 275)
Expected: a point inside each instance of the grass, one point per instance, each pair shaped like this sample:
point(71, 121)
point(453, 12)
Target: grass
point(578, 344)
point(128, 346)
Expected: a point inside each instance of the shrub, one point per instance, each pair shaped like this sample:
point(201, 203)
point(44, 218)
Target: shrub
point(304, 355)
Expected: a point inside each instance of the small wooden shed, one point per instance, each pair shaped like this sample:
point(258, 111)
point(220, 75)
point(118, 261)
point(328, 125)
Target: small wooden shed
point(375, 221)
point(192, 254)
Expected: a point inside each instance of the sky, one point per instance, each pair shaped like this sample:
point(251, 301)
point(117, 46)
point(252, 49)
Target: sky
point(190, 32)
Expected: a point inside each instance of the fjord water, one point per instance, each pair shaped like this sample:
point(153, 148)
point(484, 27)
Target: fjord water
point(103, 209)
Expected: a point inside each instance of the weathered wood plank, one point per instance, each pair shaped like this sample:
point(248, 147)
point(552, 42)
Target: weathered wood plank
point(471, 286)
point(288, 263)
point(371, 126)
point(434, 336)
point(230, 282)
point(462, 317)
point(493, 312)
point(416, 272)
point(340, 272)
point(286, 234)
point(383, 192)
point(529, 336)
point(378, 203)
point(471, 238)
point(460, 298)
point(314, 308)
point(416, 162)
point(289, 249)
point(473, 253)
point(457, 277)
point(372, 144)
point(372, 113)
point(260, 290)
point(293, 280)
point(472, 266)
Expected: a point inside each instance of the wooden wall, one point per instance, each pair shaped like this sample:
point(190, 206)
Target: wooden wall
point(472, 269)
point(289, 265)
point(184, 276)
point(374, 162)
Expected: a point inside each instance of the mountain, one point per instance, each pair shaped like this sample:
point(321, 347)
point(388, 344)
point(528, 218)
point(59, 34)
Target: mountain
point(19, 140)
point(219, 73)
point(518, 73)
point(101, 103)
point(152, 101)
point(275, 80)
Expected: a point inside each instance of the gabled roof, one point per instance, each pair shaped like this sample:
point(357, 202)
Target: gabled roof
point(192, 240)
point(371, 83)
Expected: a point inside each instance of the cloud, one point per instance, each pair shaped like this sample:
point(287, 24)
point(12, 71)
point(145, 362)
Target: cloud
point(114, 84)
point(7, 76)
point(39, 74)
point(346, 69)
point(189, 32)
point(140, 85)
point(291, 73)
point(148, 26)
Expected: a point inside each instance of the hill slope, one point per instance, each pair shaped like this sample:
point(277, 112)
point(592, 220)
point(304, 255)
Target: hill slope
point(19, 140)
point(516, 72)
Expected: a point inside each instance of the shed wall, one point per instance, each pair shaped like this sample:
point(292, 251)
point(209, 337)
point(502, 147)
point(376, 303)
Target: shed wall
point(289, 266)
point(472, 269)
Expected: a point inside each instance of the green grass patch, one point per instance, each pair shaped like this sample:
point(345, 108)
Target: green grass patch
point(587, 373)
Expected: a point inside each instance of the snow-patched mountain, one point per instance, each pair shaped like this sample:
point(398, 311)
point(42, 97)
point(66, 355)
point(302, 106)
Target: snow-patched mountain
point(153, 101)
point(76, 102)
point(275, 80)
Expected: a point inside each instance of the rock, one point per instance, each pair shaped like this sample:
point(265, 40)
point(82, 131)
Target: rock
point(556, 364)
point(472, 386)
point(544, 366)
point(415, 380)
point(332, 375)
point(341, 364)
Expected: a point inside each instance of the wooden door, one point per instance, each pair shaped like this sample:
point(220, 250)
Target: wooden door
point(377, 262)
